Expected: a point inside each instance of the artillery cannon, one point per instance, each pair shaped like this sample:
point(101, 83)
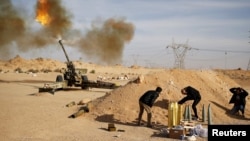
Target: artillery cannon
point(74, 77)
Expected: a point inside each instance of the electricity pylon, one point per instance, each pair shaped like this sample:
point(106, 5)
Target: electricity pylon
point(180, 51)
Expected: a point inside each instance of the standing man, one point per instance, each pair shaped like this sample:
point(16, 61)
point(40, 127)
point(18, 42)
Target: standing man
point(239, 100)
point(146, 102)
point(191, 94)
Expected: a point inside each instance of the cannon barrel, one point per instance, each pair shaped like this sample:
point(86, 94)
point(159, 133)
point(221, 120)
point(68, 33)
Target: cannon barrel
point(60, 42)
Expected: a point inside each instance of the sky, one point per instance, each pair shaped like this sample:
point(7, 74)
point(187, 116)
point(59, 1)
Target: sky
point(208, 34)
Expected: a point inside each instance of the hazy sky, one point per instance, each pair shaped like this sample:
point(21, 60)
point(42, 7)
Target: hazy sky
point(216, 31)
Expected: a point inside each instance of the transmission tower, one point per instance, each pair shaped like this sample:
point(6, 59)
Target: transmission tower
point(180, 51)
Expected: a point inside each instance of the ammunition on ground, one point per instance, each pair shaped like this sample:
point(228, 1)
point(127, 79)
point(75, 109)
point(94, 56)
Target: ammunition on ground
point(180, 114)
point(209, 115)
point(186, 113)
point(71, 104)
point(77, 114)
point(85, 108)
point(203, 113)
point(189, 113)
point(174, 114)
point(111, 127)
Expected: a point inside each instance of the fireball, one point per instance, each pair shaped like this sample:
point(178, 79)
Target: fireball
point(42, 12)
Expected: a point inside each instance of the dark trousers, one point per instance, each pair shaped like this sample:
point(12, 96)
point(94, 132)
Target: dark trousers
point(237, 108)
point(195, 103)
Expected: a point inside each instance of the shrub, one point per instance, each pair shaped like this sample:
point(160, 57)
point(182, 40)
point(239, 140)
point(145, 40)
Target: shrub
point(57, 70)
point(19, 70)
point(92, 71)
point(33, 70)
point(46, 70)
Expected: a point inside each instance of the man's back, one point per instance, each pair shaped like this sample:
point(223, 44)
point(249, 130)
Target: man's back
point(149, 97)
point(192, 93)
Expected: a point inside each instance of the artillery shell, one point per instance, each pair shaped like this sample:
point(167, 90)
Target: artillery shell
point(71, 104)
point(77, 114)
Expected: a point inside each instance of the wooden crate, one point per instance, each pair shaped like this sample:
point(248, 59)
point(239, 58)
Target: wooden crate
point(176, 133)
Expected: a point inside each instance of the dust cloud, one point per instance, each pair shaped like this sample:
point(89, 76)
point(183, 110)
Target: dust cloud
point(106, 43)
point(12, 26)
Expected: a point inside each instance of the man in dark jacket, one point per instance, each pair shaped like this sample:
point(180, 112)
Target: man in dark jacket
point(239, 100)
point(191, 94)
point(146, 101)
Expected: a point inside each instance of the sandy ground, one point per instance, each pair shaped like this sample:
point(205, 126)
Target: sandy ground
point(27, 115)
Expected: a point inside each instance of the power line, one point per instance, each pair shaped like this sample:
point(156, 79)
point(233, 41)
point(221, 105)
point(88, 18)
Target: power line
point(215, 50)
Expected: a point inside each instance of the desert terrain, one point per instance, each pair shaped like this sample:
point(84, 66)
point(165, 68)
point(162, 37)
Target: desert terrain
point(27, 115)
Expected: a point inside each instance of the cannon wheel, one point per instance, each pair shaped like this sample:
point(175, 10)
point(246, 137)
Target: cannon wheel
point(59, 78)
point(84, 81)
